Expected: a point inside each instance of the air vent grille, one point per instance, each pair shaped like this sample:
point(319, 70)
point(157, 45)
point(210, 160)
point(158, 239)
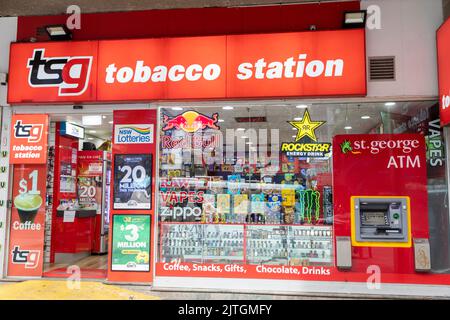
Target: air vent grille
point(382, 68)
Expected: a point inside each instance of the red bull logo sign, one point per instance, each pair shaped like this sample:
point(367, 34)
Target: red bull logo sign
point(190, 121)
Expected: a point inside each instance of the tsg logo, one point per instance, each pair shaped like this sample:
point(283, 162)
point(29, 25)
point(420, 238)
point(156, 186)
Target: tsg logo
point(32, 132)
point(69, 74)
point(29, 258)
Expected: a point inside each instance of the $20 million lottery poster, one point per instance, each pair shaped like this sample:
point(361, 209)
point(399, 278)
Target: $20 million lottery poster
point(132, 181)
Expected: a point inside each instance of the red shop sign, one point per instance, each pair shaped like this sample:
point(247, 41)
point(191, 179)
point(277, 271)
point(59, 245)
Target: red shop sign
point(29, 139)
point(302, 64)
point(443, 52)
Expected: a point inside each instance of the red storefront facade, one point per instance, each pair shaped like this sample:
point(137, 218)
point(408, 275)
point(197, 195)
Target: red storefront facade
point(322, 215)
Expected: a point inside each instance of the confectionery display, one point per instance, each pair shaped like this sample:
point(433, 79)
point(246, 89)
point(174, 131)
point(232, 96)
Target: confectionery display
point(241, 211)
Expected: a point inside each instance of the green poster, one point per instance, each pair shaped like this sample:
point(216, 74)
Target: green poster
point(131, 243)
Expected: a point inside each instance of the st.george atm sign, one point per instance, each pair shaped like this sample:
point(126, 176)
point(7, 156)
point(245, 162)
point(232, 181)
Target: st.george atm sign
point(302, 64)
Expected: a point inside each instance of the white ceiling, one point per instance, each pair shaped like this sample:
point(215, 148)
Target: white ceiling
point(336, 115)
point(45, 7)
point(104, 131)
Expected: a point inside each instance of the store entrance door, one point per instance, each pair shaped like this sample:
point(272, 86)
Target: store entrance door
point(78, 186)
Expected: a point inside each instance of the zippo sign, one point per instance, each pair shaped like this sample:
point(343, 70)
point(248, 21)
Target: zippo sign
point(319, 63)
point(443, 52)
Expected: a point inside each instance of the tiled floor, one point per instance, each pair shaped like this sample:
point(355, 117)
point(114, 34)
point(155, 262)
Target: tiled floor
point(91, 262)
point(92, 267)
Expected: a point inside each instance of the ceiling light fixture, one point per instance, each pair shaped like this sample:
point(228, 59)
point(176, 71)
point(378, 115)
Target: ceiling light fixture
point(390, 104)
point(58, 32)
point(355, 19)
point(365, 117)
point(92, 120)
point(302, 106)
point(228, 108)
point(177, 108)
point(347, 127)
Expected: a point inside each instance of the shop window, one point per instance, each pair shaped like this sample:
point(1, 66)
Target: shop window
point(234, 188)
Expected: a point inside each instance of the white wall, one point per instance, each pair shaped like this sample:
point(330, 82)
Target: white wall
point(408, 31)
point(8, 34)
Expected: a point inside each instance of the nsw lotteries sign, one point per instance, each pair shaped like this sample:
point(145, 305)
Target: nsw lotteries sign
point(29, 139)
point(133, 133)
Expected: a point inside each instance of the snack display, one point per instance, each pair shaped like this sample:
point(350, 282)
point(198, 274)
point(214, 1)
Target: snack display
point(209, 187)
point(202, 243)
point(269, 245)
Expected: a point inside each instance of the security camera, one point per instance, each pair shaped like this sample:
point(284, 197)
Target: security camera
point(313, 27)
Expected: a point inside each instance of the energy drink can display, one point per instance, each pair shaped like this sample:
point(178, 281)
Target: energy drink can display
point(328, 204)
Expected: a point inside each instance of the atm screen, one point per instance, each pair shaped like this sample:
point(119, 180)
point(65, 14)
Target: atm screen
point(374, 218)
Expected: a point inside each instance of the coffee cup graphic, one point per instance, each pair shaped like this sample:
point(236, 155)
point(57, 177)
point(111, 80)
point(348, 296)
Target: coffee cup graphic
point(27, 206)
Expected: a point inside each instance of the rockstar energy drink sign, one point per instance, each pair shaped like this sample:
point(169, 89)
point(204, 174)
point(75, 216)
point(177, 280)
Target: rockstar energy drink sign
point(306, 145)
point(307, 150)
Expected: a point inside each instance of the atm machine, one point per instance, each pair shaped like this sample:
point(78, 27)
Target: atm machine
point(381, 220)
point(380, 210)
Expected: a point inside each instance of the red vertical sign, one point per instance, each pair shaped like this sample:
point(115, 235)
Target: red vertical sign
point(29, 138)
point(443, 55)
point(130, 130)
point(26, 245)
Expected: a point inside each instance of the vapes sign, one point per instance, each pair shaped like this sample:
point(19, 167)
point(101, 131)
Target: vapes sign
point(29, 139)
point(320, 63)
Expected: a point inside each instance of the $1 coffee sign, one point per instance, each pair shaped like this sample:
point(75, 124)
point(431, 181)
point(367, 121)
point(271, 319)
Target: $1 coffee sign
point(26, 242)
point(29, 138)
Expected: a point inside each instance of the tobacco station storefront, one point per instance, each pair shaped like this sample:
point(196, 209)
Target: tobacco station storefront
point(238, 175)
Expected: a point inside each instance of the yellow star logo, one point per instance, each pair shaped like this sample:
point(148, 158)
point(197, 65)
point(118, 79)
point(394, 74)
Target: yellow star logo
point(306, 127)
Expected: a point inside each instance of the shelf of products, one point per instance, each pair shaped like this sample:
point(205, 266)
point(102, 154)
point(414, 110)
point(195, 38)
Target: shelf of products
point(289, 245)
point(269, 245)
point(202, 243)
